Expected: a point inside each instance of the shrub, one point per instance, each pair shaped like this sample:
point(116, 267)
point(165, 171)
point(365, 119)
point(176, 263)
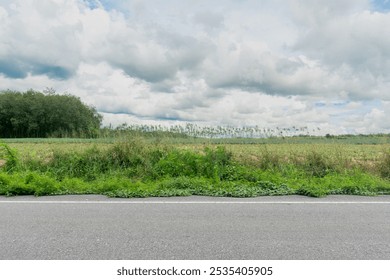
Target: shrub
point(41, 184)
point(211, 164)
point(5, 180)
point(179, 163)
point(14, 184)
point(269, 160)
point(317, 165)
point(215, 162)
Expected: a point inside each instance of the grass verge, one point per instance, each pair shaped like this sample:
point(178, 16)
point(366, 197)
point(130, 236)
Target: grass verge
point(135, 168)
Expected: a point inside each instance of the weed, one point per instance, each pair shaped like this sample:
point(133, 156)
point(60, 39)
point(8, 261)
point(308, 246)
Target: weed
point(317, 165)
point(211, 164)
point(14, 184)
point(9, 156)
point(41, 184)
point(269, 160)
point(139, 168)
point(384, 165)
point(5, 180)
point(215, 162)
point(313, 191)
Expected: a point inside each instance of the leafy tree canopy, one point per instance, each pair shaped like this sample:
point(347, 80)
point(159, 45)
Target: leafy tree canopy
point(37, 114)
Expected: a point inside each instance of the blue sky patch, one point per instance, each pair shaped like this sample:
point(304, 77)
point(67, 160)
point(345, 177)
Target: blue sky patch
point(16, 69)
point(381, 5)
point(53, 72)
point(92, 4)
point(11, 69)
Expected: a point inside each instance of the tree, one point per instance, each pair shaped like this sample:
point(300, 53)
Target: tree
point(35, 114)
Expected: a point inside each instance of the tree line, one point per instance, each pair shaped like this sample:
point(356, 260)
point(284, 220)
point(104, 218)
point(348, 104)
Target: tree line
point(37, 114)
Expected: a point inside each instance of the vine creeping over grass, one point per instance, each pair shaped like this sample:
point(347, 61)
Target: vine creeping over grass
point(135, 168)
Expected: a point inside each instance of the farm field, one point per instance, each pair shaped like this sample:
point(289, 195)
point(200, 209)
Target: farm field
point(154, 166)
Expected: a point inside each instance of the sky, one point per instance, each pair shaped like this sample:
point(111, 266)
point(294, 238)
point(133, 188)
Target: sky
point(322, 64)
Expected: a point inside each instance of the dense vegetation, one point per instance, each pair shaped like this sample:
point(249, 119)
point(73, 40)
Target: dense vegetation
point(35, 114)
point(139, 167)
point(147, 160)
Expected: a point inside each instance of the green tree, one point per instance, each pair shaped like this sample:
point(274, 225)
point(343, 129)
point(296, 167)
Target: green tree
point(35, 114)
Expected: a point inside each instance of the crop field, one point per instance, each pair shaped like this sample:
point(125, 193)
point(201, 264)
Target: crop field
point(147, 166)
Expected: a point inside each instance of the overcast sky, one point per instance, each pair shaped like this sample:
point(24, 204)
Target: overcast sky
point(272, 63)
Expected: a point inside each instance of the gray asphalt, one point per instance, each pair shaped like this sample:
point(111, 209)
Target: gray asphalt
point(269, 228)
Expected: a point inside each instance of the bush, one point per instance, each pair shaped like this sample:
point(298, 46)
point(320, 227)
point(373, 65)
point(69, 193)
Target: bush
point(5, 180)
point(42, 184)
point(211, 164)
point(269, 160)
point(317, 165)
point(14, 184)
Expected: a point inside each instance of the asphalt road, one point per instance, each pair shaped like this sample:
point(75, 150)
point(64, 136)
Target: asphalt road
point(290, 227)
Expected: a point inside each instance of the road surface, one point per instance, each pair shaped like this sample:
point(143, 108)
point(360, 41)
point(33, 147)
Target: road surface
point(269, 228)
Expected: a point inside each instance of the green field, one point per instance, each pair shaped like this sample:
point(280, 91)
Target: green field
point(162, 166)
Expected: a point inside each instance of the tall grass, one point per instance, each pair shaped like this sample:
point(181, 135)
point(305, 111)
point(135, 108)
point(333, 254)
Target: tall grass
point(137, 167)
point(384, 165)
point(8, 156)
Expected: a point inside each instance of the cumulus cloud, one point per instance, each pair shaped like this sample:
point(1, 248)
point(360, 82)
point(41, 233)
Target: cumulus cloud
point(39, 37)
point(355, 46)
point(269, 63)
point(360, 41)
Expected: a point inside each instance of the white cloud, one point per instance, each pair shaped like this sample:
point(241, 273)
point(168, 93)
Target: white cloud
point(356, 48)
point(266, 63)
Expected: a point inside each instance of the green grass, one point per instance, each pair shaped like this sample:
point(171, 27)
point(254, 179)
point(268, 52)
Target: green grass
point(139, 167)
